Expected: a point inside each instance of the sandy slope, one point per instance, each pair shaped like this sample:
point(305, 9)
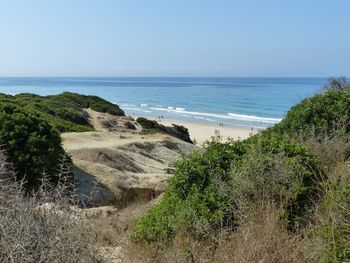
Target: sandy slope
point(102, 139)
point(118, 166)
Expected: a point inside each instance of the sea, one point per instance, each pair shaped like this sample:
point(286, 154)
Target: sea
point(239, 102)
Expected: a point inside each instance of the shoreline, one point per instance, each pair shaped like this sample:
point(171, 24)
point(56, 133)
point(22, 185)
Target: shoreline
point(200, 132)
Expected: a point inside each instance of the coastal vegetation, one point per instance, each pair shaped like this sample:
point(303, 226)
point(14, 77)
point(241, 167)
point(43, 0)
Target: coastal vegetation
point(297, 170)
point(65, 111)
point(320, 114)
point(282, 195)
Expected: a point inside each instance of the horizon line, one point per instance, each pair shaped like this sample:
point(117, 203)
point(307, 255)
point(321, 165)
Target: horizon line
point(155, 76)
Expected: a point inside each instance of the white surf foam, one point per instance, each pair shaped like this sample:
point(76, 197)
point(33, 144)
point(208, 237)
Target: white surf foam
point(231, 116)
point(254, 118)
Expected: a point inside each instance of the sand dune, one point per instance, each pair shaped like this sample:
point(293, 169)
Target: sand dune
point(132, 166)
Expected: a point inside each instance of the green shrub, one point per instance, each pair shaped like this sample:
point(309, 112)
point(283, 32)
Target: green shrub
point(149, 125)
point(321, 113)
point(177, 131)
point(129, 125)
point(181, 133)
point(198, 197)
point(32, 145)
point(281, 171)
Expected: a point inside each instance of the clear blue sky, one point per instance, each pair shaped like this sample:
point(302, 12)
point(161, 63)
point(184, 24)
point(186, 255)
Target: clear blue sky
point(174, 38)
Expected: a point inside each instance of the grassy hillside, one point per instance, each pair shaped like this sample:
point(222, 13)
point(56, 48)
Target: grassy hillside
point(63, 111)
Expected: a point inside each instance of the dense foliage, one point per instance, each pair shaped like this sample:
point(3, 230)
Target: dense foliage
point(300, 166)
point(318, 114)
point(193, 198)
point(208, 188)
point(282, 171)
point(177, 131)
point(63, 111)
point(31, 144)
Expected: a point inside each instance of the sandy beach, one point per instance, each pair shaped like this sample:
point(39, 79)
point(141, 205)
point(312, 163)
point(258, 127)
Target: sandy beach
point(200, 132)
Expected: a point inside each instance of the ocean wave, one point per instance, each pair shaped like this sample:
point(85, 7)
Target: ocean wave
point(254, 118)
point(203, 118)
point(136, 109)
point(143, 105)
point(231, 116)
point(180, 109)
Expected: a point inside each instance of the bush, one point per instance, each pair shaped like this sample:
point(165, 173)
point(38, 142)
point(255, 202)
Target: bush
point(280, 171)
point(197, 199)
point(32, 145)
point(317, 115)
point(181, 133)
point(129, 125)
point(177, 131)
point(147, 124)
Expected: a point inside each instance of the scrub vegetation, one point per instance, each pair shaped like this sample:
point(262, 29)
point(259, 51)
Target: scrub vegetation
point(281, 195)
point(64, 111)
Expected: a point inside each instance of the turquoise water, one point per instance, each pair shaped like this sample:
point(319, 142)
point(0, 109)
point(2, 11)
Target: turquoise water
point(258, 102)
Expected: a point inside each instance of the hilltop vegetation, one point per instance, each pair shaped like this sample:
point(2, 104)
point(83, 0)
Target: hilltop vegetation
point(64, 111)
point(297, 170)
point(177, 131)
point(322, 113)
point(30, 126)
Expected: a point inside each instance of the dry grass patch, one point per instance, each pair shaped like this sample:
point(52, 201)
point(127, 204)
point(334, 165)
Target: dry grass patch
point(43, 228)
point(108, 157)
